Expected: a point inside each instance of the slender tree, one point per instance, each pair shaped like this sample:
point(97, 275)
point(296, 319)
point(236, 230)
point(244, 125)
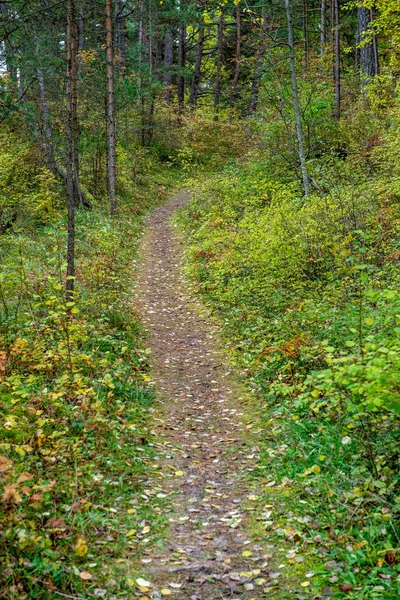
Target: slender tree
point(296, 103)
point(71, 175)
point(181, 59)
point(336, 68)
point(111, 175)
point(218, 76)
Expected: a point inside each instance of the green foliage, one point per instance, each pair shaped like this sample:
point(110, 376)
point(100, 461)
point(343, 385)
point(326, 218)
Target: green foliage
point(75, 402)
point(308, 293)
point(28, 191)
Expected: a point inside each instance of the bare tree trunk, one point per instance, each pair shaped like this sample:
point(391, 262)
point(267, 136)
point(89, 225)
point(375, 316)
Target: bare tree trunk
point(217, 93)
point(110, 109)
point(323, 27)
point(237, 59)
point(71, 76)
point(181, 61)
point(368, 50)
point(296, 104)
point(337, 73)
point(194, 90)
point(168, 62)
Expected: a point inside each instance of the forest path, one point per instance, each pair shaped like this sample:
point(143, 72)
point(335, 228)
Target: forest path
point(202, 443)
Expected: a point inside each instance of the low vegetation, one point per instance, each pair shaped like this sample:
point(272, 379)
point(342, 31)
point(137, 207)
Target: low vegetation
point(307, 291)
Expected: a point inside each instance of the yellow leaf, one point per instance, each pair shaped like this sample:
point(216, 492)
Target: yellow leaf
point(81, 547)
point(179, 474)
point(247, 553)
point(165, 592)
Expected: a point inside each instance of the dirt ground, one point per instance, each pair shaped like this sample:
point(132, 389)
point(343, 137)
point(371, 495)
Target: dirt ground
point(203, 441)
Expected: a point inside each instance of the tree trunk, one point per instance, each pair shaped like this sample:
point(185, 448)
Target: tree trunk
point(71, 76)
point(217, 93)
point(368, 50)
point(110, 109)
point(337, 73)
point(323, 27)
point(168, 62)
point(194, 90)
point(237, 59)
point(181, 61)
point(296, 104)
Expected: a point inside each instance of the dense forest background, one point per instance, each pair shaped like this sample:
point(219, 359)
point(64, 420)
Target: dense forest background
point(284, 118)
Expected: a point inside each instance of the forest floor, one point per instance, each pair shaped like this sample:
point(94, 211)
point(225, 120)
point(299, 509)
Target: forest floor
point(204, 439)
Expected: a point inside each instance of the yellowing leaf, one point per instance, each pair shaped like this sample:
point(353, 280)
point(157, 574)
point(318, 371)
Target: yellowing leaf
point(81, 547)
point(165, 592)
point(247, 553)
point(179, 474)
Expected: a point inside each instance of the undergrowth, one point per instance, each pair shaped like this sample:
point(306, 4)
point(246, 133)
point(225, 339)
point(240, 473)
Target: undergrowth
point(75, 451)
point(307, 291)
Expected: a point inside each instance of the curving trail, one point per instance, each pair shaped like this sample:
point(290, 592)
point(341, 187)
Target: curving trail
point(202, 448)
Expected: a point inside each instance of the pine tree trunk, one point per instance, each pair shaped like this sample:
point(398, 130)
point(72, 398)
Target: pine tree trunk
point(296, 104)
point(110, 109)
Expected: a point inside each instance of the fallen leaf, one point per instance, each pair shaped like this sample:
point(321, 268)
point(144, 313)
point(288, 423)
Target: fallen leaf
point(85, 575)
point(143, 583)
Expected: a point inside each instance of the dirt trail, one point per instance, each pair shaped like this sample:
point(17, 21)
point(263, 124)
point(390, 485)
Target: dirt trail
point(201, 429)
